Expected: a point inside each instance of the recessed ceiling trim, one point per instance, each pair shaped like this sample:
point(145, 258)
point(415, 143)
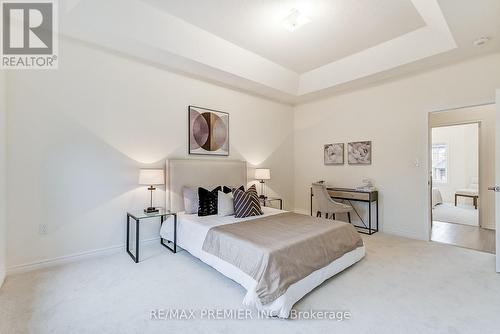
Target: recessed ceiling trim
point(433, 39)
point(138, 29)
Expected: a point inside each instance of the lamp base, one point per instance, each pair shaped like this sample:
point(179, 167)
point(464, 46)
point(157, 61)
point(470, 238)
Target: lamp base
point(262, 192)
point(151, 210)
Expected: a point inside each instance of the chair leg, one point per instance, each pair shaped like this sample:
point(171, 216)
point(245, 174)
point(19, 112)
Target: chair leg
point(318, 214)
point(349, 217)
point(333, 216)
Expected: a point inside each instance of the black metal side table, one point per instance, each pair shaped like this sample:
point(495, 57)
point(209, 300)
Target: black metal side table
point(140, 215)
point(265, 201)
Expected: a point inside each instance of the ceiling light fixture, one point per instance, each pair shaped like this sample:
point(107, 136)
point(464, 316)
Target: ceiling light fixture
point(295, 20)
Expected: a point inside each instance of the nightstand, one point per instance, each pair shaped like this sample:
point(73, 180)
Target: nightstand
point(265, 201)
point(138, 216)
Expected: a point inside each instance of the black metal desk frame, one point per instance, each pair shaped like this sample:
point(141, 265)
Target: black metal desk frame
point(373, 197)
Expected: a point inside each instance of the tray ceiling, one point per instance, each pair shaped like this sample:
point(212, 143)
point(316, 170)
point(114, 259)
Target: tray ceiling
point(257, 26)
point(242, 43)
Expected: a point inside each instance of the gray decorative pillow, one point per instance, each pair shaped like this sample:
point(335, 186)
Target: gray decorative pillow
point(246, 203)
point(190, 199)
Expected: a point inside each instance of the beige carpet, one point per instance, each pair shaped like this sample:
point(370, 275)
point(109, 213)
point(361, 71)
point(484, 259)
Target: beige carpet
point(461, 214)
point(402, 286)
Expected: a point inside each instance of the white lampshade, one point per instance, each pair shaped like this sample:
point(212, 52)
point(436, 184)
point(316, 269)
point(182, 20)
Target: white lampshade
point(262, 174)
point(151, 177)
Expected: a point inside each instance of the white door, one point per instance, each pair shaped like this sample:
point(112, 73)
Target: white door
point(496, 187)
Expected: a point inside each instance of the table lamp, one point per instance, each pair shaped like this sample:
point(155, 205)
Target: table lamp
point(151, 178)
point(262, 174)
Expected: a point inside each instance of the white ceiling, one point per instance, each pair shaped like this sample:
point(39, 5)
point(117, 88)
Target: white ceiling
point(241, 43)
point(469, 20)
point(257, 26)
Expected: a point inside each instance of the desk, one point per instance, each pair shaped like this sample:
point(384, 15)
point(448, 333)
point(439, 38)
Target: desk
point(354, 195)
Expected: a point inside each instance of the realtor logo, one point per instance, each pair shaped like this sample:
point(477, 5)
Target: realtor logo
point(29, 39)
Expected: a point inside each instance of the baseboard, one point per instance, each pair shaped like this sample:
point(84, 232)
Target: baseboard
point(21, 268)
point(397, 232)
point(403, 233)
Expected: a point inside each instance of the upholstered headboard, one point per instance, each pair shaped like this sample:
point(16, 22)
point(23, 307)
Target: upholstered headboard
point(200, 172)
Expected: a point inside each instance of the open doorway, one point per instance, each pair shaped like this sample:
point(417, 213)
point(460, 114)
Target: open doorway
point(455, 174)
point(460, 165)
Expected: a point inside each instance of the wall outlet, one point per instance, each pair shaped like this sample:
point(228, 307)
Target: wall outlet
point(43, 229)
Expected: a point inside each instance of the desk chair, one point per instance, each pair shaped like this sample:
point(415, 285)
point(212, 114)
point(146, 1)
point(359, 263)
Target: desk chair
point(327, 205)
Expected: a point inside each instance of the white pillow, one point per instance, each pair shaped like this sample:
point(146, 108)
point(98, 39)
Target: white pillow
point(225, 204)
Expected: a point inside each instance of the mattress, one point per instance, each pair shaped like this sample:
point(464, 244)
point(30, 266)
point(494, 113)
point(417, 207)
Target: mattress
point(191, 233)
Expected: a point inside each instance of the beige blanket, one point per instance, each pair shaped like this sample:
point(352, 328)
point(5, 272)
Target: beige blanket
point(282, 249)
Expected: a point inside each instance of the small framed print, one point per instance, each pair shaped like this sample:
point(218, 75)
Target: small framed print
point(359, 153)
point(334, 154)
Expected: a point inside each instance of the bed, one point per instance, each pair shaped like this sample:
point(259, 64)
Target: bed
point(193, 233)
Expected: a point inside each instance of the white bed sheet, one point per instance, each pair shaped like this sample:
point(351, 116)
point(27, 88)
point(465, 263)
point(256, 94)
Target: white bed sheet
point(191, 233)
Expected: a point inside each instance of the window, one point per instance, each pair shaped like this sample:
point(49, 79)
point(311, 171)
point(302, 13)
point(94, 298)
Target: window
point(440, 163)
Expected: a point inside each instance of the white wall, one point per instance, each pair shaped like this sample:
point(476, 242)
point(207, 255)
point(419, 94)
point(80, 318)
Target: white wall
point(3, 162)
point(78, 136)
point(486, 115)
point(394, 115)
point(462, 142)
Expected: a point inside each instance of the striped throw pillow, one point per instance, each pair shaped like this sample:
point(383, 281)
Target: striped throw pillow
point(246, 203)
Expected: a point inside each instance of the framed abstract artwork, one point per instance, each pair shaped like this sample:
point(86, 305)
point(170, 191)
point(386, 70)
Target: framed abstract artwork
point(334, 154)
point(359, 153)
point(208, 131)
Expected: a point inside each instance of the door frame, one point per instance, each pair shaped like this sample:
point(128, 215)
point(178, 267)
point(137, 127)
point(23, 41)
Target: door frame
point(497, 180)
point(429, 159)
